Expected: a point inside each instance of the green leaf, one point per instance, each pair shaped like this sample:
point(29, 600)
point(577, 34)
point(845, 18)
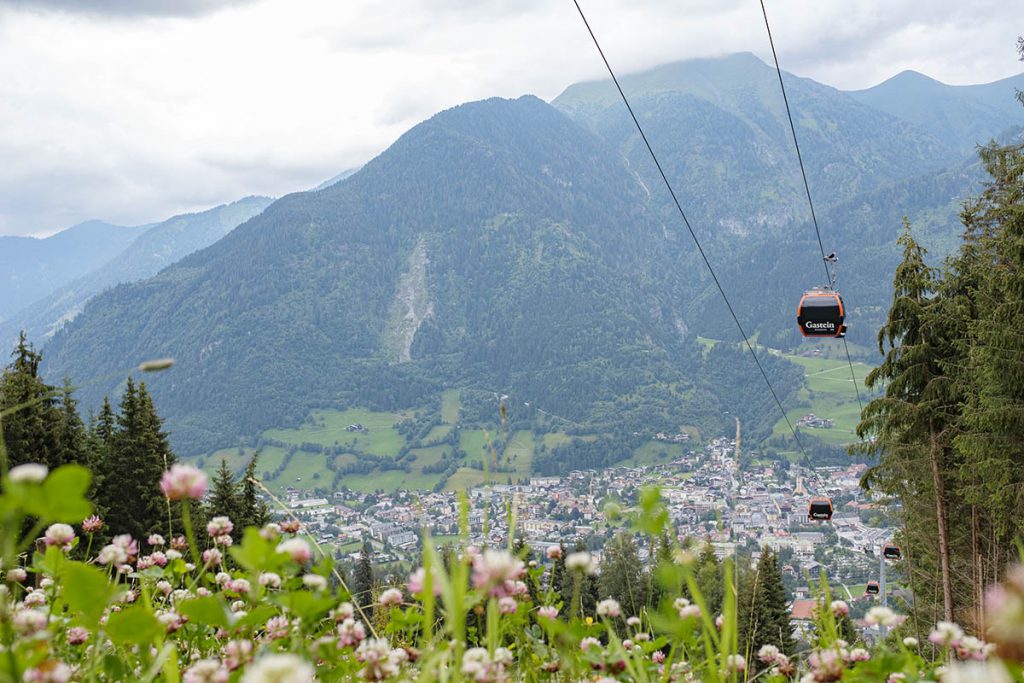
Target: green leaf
point(256, 553)
point(134, 625)
point(86, 590)
point(62, 498)
point(51, 562)
point(305, 605)
point(207, 611)
point(256, 617)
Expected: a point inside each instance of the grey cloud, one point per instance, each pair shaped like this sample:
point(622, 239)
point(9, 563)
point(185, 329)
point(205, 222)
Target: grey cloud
point(127, 8)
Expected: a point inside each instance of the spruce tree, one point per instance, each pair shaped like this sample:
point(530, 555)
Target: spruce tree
point(769, 620)
point(139, 454)
point(662, 558)
point(994, 438)
point(621, 576)
point(557, 579)
point(915, 421)
point(254, 509)
point(32, 432)
point(362, 578)
point(106, 423)
point(709, 578)
point(72, 439)
point(225, 498)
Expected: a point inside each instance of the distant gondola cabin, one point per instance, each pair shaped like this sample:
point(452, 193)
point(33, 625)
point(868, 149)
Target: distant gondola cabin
point(820, 509)
point(821, 314)
point(891, 551)
point(872, 588)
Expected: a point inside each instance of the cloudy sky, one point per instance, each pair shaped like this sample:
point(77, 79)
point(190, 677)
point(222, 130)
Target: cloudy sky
point(134, 110)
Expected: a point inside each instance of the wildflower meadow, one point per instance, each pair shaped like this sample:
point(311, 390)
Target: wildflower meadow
point(189, 605)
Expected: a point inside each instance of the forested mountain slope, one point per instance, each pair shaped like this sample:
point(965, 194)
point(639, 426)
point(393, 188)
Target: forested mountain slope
point(497, 245)
point(510, 247)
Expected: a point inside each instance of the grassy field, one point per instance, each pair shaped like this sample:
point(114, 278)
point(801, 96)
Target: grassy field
point(556, 439)
point(653, 453)
point(328, 429)
point(464, 478)
point(474, 442)
point(830, 393)
point(437, 433)
point(451, 404)
point(519, 453)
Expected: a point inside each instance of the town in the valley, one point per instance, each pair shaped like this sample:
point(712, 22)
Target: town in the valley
point(710, 498)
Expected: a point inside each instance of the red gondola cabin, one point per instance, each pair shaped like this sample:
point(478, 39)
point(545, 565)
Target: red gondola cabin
point(872, 588)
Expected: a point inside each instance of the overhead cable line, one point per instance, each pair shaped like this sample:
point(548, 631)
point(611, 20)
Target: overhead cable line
point(807, 188)
point(686, 221)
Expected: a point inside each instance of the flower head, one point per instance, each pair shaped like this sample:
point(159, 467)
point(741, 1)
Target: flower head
point(206, 671)
point(507, 605)
point(946, 634)
point(580, 562)
point(183, 482)
point(350, 633)
point(297, 549)
point(211, 556)
point(77, 635)
point(48, 671)
point(497, 571)
point(277, 628)
point(609, 609)
point(28, 473)
point(279, 668)
point(391, 597)
point(60, 535)
point(418, 582)
point(290, 526)
point(219, 526)
point(883, 616)
point(547, 611)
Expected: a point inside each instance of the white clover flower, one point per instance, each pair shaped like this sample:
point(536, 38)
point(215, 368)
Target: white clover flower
point(279, 668)
point(580, 562)
point(112, 554)
point(946, 633)
point(610, 609)
point(314, 582)
point(977, 672)
point(883, 616)
point(391, 597)
point(270, 580)
point(28, 473)
point(206, 671)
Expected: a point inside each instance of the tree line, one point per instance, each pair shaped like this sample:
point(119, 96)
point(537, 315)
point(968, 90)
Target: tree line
point(125, 448)
point(949, 429)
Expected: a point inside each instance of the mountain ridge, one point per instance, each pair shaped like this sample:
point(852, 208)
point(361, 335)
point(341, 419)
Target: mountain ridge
point(158, 246)
point(31, 267)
